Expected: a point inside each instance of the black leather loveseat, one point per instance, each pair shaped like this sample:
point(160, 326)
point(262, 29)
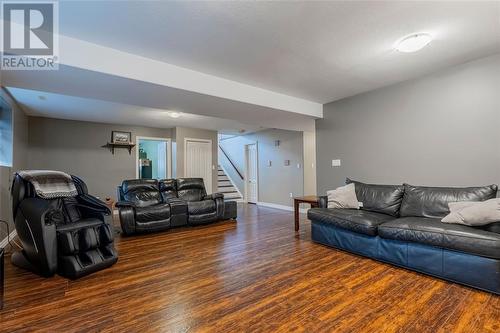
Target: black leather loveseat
point(401, 224)
point(150, 205)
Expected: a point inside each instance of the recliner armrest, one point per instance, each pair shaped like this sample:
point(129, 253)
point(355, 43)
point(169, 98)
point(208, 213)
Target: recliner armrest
point(214, 196)
point(120, 204)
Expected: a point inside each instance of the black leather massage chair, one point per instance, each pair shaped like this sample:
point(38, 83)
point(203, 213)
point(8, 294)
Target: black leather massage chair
point(66, 234)
point(149, 205)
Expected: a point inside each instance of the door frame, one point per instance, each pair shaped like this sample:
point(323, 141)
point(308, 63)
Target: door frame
point(211, 160)
point(256, 170)
point(169, 153)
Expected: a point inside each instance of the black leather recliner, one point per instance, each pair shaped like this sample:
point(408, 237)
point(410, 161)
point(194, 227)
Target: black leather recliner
point(149, 205)
point(65, 235)
point(143, 208)
point(202, 208)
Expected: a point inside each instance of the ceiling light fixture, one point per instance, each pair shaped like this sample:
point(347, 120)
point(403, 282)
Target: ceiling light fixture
point(413, 43)
point(174, 114)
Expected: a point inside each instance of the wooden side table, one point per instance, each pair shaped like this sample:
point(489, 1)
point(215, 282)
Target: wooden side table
point(313, 200)
point(111, 205)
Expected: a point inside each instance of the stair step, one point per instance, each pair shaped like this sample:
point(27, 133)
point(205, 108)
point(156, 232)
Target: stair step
point(232, 196)
point(226, 191)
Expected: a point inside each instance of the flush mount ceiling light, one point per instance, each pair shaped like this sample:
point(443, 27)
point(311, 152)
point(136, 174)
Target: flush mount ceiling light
point(413, 43)
point(174, 114)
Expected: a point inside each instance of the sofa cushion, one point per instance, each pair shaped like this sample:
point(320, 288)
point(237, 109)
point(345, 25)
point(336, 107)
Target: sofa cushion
point(168, 189)
point(385, 199)
point(433, 202)
point(474, 213)
point(201, 207)
point(351, 219)
point(449, 236)
point(141, 192)
point(153, 213)
point(191, 189)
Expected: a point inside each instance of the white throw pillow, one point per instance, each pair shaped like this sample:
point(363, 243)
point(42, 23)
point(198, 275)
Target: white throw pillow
point(343, 197)
point(474, 213)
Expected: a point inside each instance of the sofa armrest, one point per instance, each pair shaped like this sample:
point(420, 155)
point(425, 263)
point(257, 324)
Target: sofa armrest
point(121, 204)
point(323, 201)
point(214, 196)
point(127, 219)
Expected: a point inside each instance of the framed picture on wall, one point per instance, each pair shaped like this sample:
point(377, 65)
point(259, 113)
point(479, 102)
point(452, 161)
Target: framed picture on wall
point(121, 137)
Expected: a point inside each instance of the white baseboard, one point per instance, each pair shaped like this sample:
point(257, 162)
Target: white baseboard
point(282, 207)
point(5, 241)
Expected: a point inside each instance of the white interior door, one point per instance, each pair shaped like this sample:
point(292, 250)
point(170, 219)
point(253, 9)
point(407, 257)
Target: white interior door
point(198, 161)
point(251, 179)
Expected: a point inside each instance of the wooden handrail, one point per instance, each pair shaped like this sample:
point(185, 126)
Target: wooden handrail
point(232, 164)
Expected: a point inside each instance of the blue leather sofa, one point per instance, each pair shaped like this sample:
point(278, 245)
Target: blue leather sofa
point(401, 225)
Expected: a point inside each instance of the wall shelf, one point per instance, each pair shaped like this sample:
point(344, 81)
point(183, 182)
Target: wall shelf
point(111, 146)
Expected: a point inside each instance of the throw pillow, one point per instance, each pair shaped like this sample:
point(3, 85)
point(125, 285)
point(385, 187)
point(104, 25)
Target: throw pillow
point(343, 197)
point(474, 213)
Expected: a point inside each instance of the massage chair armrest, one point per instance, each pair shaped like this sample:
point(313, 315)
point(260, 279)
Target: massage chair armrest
point(41, 218)
point(323, 201)
point(36, 209)
point(93, 205)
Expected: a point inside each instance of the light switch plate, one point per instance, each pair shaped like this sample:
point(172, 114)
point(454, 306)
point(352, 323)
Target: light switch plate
point(336, 163)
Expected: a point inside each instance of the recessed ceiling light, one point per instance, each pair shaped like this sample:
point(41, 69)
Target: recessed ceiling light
point(413, 43)
point(174, 114)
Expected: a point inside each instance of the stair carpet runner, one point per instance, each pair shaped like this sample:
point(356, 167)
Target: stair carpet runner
point(225, 186)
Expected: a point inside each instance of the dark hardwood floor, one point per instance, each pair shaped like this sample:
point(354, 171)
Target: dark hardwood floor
point(255, 275)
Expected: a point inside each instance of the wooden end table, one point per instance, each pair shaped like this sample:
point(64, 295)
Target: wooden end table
point(313, 200)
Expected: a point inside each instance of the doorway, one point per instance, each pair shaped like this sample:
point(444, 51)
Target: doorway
point(153, 158)
point(251, 174)
point(198, 161)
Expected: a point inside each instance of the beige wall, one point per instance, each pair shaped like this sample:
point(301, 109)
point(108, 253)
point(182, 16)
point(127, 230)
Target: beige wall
point(179, 134)
point(75, 147)
point(19, 159)
point(310, 163)
point(439, 130)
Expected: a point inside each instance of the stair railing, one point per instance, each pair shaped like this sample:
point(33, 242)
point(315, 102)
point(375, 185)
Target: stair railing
point(231, 162)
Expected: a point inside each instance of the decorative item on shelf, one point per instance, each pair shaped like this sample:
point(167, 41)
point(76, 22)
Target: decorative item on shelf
point(120, 139)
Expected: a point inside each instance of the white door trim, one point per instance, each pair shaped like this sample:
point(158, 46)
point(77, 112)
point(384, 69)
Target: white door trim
point(169, 153)
point(256, 170)
point(211, 159)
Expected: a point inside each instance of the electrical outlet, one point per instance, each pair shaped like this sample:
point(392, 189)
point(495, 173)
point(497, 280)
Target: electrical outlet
point(291, 195)
point(336, 163)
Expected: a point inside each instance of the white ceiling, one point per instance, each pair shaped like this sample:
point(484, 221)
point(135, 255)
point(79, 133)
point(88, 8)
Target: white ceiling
point(85, 109)
point(318, 51)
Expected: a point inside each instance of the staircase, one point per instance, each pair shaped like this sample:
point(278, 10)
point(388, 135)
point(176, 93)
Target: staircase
point(226, 186)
